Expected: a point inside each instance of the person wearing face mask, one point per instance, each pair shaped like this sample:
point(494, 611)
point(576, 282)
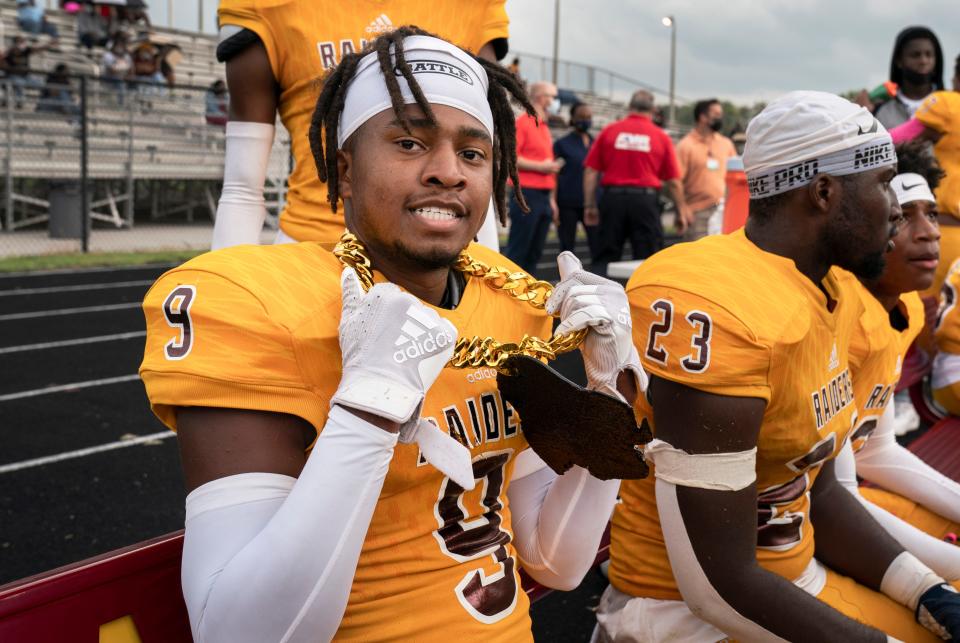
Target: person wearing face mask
point(916, 67)
point(703, 155)
point(537, 170)
point(572, 150)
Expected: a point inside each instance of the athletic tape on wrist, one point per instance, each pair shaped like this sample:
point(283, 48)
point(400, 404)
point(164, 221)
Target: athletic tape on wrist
point(718, 471)
point(906, 579)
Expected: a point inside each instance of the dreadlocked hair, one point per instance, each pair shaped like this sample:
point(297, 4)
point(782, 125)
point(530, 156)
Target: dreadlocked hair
point(917, 157)
point(326, 114)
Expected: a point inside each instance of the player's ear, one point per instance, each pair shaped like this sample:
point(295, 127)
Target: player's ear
point(344, 173)
point(824, 192)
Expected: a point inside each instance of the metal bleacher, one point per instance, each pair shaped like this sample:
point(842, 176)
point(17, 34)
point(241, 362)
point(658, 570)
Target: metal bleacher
point(149, 133)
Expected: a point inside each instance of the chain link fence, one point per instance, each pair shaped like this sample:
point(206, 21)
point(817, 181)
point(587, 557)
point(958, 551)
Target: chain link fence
point(108, 165)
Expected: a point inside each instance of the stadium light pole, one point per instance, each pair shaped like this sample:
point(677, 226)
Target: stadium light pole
point(670, 21)
point(556, 38)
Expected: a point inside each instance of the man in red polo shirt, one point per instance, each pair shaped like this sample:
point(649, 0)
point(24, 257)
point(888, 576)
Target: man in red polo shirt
point(538, 180)
point(636, 159)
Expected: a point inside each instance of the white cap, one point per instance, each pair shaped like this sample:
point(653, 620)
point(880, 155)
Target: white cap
point(806, 133)
point(911, 187)
point(446, 74)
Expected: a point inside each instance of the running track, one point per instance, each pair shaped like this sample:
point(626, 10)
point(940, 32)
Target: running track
point(85, 467)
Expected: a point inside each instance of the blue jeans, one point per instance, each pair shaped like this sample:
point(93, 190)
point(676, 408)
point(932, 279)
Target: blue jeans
point(528, 231)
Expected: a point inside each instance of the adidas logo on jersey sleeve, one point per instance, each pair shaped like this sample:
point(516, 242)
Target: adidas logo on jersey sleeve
point(419, 336)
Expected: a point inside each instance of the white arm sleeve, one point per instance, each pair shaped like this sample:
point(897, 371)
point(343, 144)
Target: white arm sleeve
point(941, 557)
point(885, 463)
point(241, 211)
point(269, 558)
point(558, 521)
point(699, 594)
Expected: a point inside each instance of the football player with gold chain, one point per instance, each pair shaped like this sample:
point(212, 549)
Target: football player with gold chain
point(745, 532)
point(276, 53)
point(344, 483)
point(918, 505)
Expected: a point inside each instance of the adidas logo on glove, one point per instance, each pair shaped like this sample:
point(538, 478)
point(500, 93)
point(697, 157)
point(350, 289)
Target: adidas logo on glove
point(416, 339)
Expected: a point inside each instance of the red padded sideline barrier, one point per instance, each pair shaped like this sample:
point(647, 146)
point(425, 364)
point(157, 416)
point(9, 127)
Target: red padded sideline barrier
point(71, 603)
point(940, 447)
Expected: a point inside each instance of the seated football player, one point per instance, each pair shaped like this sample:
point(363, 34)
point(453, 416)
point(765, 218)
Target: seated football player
point(746, 339)
point(945, 378)
point(343, 483)
point(916, 504)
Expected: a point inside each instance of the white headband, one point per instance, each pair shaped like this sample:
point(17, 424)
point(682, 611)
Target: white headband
point(911, 187)
point(865, 157)
point(446, 74)
point(807, 133)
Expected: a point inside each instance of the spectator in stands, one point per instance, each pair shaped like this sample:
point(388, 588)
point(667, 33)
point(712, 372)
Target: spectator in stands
point(146, 66)
point(538, 180)
point(572, 150)
point(16, 63)
point(116, 66)
point(91, 28)
point(916, 67)
point(57, 95)
point(30, 18)
point(703, 155)
point(514, 67)
point(218, 103)
point(636, 159)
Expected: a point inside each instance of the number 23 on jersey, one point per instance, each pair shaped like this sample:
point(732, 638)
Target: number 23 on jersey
point(696, 322)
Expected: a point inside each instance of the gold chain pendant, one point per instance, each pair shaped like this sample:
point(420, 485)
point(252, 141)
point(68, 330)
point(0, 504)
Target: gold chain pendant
point(480, 351)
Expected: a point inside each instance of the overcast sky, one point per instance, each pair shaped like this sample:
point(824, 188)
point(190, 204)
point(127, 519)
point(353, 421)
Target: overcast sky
point(743, 50)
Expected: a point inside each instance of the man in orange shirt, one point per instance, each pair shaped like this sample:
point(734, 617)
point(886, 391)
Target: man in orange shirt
point(537, 171)
point(703, 155)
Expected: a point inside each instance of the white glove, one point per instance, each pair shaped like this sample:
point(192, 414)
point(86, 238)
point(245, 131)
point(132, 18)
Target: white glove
point(394, 348)
point(586, 300)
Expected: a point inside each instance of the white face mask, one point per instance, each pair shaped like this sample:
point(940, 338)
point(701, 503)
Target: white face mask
point(554, 107)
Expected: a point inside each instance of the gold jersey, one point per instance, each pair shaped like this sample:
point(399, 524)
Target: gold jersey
point(255, 327)
point(723, 316)
point(877, 351)
point(305, 39)
point(947, 329)
point(941, 113)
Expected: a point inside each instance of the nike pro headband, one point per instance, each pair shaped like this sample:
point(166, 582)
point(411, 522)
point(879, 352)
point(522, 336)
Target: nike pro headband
point(446, 74)
point(807, 133)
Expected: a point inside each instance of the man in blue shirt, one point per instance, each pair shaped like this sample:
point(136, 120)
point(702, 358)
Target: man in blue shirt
point(573, 148)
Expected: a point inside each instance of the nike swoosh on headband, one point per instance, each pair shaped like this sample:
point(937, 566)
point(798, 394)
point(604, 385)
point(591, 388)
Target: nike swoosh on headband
point(872, 130)
point(910, 187)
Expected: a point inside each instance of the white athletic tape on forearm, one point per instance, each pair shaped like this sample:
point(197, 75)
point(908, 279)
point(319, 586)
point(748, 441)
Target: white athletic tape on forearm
point(906, 579)
point(700, 595)
point(241, 210)
point(718, 471)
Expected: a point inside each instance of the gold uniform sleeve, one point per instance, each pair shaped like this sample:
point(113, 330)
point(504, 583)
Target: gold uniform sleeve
point(688, 339)
point(246, 14)
point(947, 331)
point(495, 24)
point(938, 112)
point(211, 342)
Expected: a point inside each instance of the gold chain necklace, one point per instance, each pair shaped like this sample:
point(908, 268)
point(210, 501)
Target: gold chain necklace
point(476, 351)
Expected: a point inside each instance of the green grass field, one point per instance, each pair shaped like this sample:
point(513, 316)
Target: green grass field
point(95, 259)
